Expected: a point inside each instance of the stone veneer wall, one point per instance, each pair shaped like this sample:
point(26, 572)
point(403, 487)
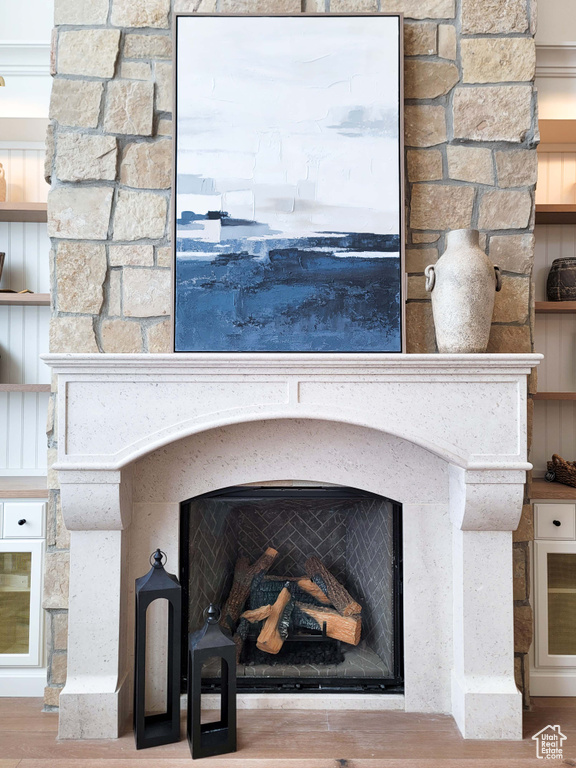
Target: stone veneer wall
point(471, 132)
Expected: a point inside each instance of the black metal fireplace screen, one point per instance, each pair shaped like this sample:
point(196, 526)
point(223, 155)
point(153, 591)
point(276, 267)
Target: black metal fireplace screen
point(293, 634)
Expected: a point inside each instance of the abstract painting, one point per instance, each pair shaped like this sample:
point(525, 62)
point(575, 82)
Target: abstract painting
point(288, 184)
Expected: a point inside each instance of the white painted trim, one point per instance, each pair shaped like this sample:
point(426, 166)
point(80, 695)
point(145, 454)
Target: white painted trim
point(374, 702)
point(550, 682)
point(23, 682)
point(556, 60)
point(24, 59)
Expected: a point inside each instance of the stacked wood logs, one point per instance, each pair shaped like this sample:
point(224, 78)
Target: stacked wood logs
point(315, 601)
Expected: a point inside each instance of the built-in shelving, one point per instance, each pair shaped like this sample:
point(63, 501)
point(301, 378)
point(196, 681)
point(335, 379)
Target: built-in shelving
point(24, 487)
point(541, 489)
point(554, 396)
point(555, 307)
point(24, 387)
point(35, 212)
point(555, 214)
point(25, 299)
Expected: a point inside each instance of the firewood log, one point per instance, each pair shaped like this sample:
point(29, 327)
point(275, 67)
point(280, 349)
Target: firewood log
point(244, 573)
point(270, 640)
point(257, 614)
point(345, 628)
point(337, 594)
point(307, 585)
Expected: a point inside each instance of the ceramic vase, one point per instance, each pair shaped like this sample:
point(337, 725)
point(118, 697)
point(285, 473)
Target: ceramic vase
point(463, 284)
point(561, 283)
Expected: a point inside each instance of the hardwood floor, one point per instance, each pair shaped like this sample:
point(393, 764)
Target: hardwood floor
point(285, 739)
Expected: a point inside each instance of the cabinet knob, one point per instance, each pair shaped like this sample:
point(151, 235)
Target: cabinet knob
point(557, 523)
point(21, 522)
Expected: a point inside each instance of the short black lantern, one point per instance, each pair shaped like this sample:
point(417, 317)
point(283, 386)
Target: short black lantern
point(163, 728)
point(219, 737)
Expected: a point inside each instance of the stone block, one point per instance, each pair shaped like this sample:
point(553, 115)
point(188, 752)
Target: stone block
point(522, 628)
point(428, 79)
point(60, 631)
point(80, 12)
point(425, 237)
point(121, 336)
point(135, 70)
point(86, 157)
point(505, 209)
point(420, 39)
point(204, 6)
point(493, 113)
point(52, 481)
point(513, 253)
point(424, 125)
point(163, 75)
point(146, 292)
point(313, 6)
point(472, 164)
point(131, 255)
point(520, 582)
point(498, 60)
point(512, 302)
point(420, 9)
point(56, 578)
point(509, 338)
point(139, 216)
point(76, 103)
point(416, 289)
point(439, 206)
point(358, 6)
point(147, 165)
point(164, 256)
point(62, 534)
point(52, 696)
point(79, 213)
point(525, 530)
point(140, 13)
point(129, 107)
point(260, 6)
point(58, 668)
point(72, 334)
point(447, 47)
point(494, 17)
point(417, 259)
point(424, 164)
point(49, 156)
point(164, 127)
point(80, 274)
point(420, 338)
point(115, 293)
point(147, 47)
point(517, 168)
point(160, 337)
point(88, 52)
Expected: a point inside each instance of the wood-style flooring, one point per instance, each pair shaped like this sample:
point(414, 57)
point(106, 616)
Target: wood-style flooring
point(290, 739)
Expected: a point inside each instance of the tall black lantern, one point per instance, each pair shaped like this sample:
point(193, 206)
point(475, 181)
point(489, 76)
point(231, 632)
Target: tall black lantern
point(219, 737)
point(163, 728)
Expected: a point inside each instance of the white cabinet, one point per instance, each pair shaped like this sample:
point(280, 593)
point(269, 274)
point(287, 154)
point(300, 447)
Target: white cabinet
point(554, 578)
point(22, 545)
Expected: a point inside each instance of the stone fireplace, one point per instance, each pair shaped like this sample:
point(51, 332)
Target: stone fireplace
point(442, 435)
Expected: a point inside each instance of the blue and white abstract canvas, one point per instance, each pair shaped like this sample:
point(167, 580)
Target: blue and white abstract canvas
point(288, 204)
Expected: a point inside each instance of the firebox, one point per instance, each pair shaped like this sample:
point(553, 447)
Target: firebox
point(309, 580)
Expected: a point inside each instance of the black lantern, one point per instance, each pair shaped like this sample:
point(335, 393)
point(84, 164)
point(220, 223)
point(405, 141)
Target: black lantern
point(219, 737)
point(164, 728)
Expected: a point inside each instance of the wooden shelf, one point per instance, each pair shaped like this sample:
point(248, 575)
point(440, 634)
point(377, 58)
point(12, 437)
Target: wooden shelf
point(23, 487)
point(556, 307)
point(25, 387)
point(26, 299)
point(541, 489)
point(555, 396)
point(24, 212)
point(556, 214)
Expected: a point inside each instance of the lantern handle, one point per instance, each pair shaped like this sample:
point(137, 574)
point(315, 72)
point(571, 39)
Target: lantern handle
point(157, 556)
point(212, 614)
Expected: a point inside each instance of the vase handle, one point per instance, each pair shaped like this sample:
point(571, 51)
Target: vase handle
point(498, 279)
point(430, 278)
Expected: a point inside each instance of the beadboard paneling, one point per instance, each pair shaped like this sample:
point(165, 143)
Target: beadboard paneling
point(556, 178)
point(23, 436)
point(23, 338)
point(24, 167)
point(552, 242)
point(554, 432)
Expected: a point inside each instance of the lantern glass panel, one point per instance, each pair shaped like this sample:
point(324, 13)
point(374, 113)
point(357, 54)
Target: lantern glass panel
point(157, 631)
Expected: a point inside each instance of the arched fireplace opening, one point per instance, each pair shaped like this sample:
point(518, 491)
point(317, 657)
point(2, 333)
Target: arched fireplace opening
point(292, 633)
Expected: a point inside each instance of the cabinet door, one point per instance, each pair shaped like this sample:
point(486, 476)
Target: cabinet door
point(20, 602)
point(555, 572)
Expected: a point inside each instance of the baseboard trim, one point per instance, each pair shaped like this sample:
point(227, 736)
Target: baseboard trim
point(22, 682)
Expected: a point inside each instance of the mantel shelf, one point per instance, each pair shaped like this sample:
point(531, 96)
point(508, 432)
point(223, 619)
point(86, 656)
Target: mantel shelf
point(541, 489)
point(35, 212)
point(556, 214)
point(25, 299)
point(25, 387)
point(555, 396)
point(555, 307)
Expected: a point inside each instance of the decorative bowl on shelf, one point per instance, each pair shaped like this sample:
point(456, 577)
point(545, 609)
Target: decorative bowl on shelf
point(2, 257)
point(561, 284)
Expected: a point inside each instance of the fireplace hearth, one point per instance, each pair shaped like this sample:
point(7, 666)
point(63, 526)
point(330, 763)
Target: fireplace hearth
point(354, 534)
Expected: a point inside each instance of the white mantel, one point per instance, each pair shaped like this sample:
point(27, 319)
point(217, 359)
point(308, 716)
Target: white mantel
point(445, 435)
